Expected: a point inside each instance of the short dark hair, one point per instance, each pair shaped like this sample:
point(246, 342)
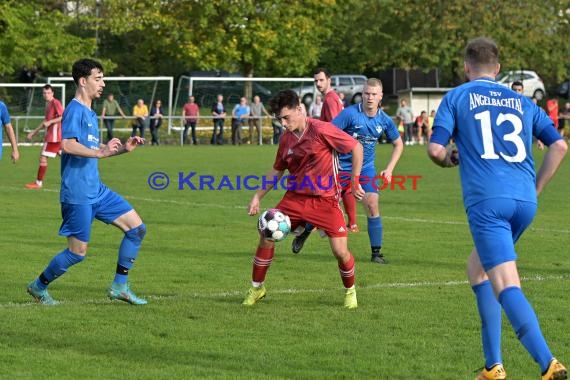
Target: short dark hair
point(321, 70)
point(482, 52)
point(283, 99)
point(83, 67)
point(47, 87)
point(517, 83)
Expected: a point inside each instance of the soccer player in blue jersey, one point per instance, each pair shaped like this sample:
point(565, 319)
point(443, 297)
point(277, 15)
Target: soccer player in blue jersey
point(493, 128)
point(367, 122)
point(84, 197)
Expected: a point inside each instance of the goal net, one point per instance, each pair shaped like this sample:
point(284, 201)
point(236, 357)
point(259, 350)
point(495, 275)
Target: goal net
point(26, 105)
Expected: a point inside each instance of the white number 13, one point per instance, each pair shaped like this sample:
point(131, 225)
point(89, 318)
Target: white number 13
point(487, 134)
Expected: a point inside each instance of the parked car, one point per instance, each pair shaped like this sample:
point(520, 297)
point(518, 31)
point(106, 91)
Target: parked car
point(350, 85)
point(533, 85)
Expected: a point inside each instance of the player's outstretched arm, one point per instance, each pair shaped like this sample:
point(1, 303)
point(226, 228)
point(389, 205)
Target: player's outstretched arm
point(552, 160)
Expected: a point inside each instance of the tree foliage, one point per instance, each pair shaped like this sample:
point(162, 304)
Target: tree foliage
point(35, 37)
point(288, 38)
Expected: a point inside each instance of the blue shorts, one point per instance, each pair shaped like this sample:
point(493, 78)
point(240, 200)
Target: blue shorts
point(77, 219)
point(368, 180)
point(496, 225)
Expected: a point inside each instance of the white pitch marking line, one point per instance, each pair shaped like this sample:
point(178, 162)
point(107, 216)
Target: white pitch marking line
point(235, 293)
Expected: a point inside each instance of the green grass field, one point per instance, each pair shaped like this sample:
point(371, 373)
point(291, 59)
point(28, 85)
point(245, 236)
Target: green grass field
point(416, 317)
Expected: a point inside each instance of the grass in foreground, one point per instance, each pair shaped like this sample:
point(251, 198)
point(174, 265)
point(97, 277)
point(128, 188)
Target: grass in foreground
point(416, 317)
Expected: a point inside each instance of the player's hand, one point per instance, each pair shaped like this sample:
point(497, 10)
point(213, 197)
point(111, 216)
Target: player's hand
point(386, 175)
point(540, 145)
point(112, 147)
point(253, 207)
point(132, 143)
point(357, 191)
point(30, 136)
point(15, 156)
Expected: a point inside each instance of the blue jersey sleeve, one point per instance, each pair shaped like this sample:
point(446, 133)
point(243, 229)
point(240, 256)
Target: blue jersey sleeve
point(71, 122)
point(4, 114)
point(440, 136)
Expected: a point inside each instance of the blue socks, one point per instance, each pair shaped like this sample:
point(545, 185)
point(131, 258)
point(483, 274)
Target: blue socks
point(375, 231)
point(490, 314)
point(524, 322)
point(128, 252)
point(57, 267)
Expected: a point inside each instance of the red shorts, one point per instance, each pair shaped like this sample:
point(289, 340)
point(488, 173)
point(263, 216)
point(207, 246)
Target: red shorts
point(324, 213)
point(51, 149)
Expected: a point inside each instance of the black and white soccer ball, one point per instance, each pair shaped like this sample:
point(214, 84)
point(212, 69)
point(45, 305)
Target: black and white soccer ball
point(274, 225)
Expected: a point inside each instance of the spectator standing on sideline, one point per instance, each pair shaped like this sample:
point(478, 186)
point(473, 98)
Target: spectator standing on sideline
point(422, 126)
point(7, 124)
point(332, 106)
point(564, 119)
point(367, 122)
point(316, 107)
point(277, 131)
point(257, 111)
point(404, 113)
point(190, 114)
point(155, 121)
point(307, 150)
point(219, 114)
point(494, 135)
point(342, 98)
point(52, 138)
point(140, 112)
point(84, 197)
point(518, 87)
point(240, 114)
point(110, 109)
point(552, 110)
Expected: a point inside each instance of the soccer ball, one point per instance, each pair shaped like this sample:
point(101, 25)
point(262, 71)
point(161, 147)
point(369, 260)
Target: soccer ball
point(274, 225)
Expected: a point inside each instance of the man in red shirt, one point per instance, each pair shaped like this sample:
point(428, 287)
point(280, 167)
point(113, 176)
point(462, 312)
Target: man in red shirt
point(52, 138)
point(190, 113)
point(332, 106)
point(307, 150)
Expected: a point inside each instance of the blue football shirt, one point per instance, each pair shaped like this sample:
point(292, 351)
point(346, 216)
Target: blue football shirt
point(80, 182)
point(4, 119)
point(493, 129)
point(367, 130)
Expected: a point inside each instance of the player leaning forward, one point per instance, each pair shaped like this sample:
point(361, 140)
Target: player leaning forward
point(84, 197)
point(307, 150)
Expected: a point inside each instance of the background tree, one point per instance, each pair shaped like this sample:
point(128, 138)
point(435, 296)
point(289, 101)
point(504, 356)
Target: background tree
point(38, 38)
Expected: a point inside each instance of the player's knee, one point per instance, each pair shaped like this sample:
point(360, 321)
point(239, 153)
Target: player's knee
point(137, 234)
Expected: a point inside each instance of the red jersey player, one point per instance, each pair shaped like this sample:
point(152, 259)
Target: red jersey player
point(307, 150)
point(332, 106)
point(52, 138)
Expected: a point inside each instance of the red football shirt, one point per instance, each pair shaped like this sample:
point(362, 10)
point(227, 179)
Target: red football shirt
point(332, 106)
point(53, 110)
point(311, 158)
point(191, 111)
